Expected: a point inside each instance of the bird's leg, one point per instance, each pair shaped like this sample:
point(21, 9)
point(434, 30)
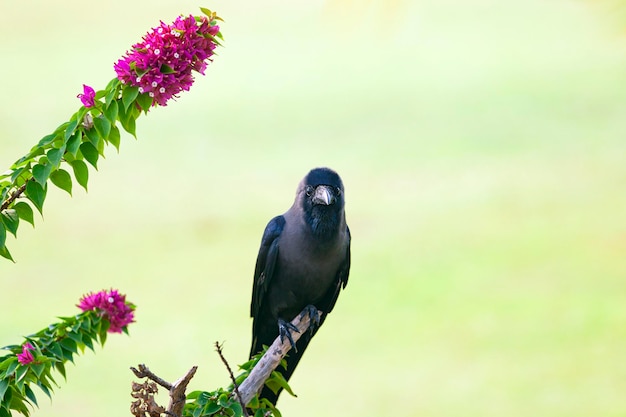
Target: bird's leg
point(284, 329)
point(314, 316)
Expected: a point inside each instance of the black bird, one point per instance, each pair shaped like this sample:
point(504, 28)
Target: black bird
point(303, 262)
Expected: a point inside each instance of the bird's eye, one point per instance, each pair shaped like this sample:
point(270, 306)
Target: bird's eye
point(308, 190)
point(338, 190)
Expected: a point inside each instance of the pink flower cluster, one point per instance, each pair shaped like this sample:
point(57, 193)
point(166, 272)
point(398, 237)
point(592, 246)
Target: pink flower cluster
point(26, 356)
point(112, 305)
point(162, 64)
point(87, 97)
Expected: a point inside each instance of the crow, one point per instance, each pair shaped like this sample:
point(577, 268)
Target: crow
point(303, 262)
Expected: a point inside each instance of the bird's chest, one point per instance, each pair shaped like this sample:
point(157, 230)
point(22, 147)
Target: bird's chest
point(307, 268)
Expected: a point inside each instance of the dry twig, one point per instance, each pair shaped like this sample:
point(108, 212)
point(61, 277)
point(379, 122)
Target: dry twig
point(176, 393)
point(218, 348)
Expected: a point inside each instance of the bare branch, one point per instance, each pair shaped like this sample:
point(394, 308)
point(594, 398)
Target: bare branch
point(218, 348)
point(276, 352)
point(13, 196)
point(176, 392)
point(145, 372)
point(245, 392)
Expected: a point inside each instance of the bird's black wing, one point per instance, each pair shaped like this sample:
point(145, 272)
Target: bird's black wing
point(265, 263)
point(341, 281)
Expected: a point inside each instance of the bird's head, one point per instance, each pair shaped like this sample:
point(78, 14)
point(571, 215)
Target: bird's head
point(321, 196)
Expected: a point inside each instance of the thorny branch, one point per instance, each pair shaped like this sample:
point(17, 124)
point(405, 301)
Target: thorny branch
point(218, 348)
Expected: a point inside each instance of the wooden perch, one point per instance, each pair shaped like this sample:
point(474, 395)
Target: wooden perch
point(145, 405)
point(276, 352)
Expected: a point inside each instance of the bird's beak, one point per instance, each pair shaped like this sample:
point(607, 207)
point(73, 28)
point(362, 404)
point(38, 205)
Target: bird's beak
point(323, 195)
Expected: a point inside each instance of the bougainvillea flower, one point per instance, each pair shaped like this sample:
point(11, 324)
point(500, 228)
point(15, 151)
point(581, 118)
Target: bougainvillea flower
point(161, 64)
point(87, 97)
point(26, 356)
point(111, 305)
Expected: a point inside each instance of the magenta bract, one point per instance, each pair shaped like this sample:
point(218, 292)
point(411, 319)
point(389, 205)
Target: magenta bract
point(26, 357)
point(87, 97)
point(112, 305)
point(162, 64)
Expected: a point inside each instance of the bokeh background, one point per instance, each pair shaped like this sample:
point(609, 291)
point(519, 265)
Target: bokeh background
point(482, 147)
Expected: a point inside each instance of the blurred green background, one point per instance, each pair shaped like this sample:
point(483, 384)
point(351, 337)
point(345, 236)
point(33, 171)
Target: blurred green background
point(482, 148)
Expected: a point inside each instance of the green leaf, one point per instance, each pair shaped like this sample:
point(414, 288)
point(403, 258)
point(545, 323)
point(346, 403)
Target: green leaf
point(41, 173)
point(3, 235)
point(47, 375)
point(114, 137)
point(74, 142)
point(236, 407)
point(129, 125)
point(71, 127)
point(61, 178)
point(223, 400)
point(103, 126)
point(166, 69)
point(12, 366)
point(60, 367)
point(56, 349)
point(46, 140)
point(111, 111)
point(36, 193)
point(18, 172)
point(278, 379)
point(58, 143)
point(24, 211)
point(102, 332)
point(34, 152)
point(100, 147)
point(69, 344)
point(4, 252)
point(4, 384)
point(38, 368)
point(21, 371)
point(129, 94)
point(145, 101)
point(11, 220)
point(81, 172)
point(75, 337)
point(114, 83)
point(211, 408)
point(45, 388)
point(54, 156)
point(93, 136)
point(113, 95)
point(87, 341)
point(90, 153)
point(194, 394)
point(30, 394)
point(17, 403)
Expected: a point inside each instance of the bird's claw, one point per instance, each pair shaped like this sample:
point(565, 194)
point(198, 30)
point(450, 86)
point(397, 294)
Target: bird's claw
point(284, 330)
point(314, 316)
